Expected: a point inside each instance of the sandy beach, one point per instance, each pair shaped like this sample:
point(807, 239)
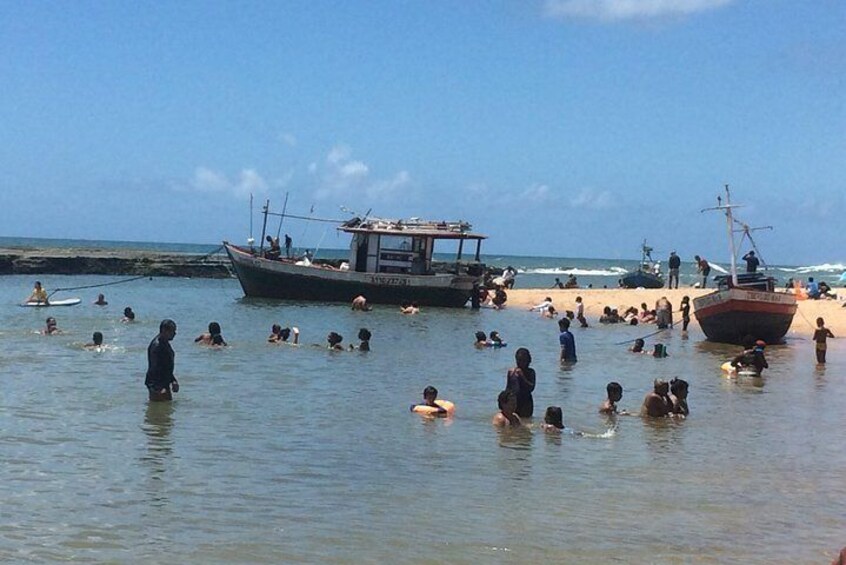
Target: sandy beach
point(595, 299)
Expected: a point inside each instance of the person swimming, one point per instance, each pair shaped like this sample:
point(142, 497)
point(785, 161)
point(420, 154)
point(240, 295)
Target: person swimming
point(409, 308)
point(360, 304)
point(614, 391)
point(657, 404)
point(212, 337)
point(334, 339)
point(678, 397)
point(51, 327)
point(481, 340)
point(430, 395)
point(128, 315)
point(752, 357)
point(553, 420)
point(507, 402)
point(364, 336)
point(101, 300)
point(495, 340)
point(96, 341)
point(638, 346)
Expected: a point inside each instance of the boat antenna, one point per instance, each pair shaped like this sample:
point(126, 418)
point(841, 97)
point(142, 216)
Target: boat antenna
point(282, 217)
point(250, 240)
point(727, 207)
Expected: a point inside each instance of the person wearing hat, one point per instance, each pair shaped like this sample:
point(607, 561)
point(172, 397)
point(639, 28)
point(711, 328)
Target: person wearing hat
point(752, 357)
point(673, 263)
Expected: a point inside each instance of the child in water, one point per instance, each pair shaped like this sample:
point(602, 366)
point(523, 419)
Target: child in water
point(430, 395)
point(364, 336)
point(481, 340)
point(553, 420)
point(128, 315)
point(496, 340)
point(507, 402)
point(820, 336)
point(638, 346)
point(615, 394)
point(335, 340)
point(96, 341)
point(678, 397)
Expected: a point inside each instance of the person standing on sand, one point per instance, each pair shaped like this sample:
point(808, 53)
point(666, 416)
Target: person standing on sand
point(160, 381)
point(673, 263)
point(820, 335)
point(567, 342)
point(703, 268)
point(521, 381)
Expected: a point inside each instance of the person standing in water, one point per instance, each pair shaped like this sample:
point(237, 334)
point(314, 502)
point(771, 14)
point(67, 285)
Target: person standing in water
point(657, 403)
point(615, 394)
point(506, 416)
point(160, 381)
point(820, 336)
point(685, 312)
point(580, 312)
point(101, 300)
point(521, 381)
point(567, 342)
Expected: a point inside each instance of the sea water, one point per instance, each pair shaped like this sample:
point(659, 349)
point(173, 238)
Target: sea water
point(273, 454)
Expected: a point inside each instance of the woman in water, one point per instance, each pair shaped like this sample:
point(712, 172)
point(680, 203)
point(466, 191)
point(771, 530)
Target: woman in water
point(507, 402)
point(553, 420)
point(334, 339)
point(212, 337)
point(678, 397)
point(128, 315)
point(521, 380)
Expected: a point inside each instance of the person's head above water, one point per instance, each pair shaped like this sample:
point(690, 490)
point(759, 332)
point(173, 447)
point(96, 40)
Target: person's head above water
point(285, 333)
point(51, 322)
point(495, 337)
point(334, 338)
point(430, 393)
point(364, 334)
point(214, 328)
point(614, 390)
point(638, 345)
point(507, 401)
point(554, 417)
point(523, 357)
point(128, 313)
point(679, 387)
point(661, 387)
point(480, 336)
point(275, 329)
point(97, 338)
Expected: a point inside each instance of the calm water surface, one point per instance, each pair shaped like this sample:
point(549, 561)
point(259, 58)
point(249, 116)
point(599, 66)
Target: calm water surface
point(278, 454)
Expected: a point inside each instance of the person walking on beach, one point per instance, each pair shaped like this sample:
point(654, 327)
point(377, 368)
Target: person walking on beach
point(820, 335)
point(752, 262)
point(673, 263)
point(567, 342)
point(521, 381)
point(160, 381)
point(703, 268)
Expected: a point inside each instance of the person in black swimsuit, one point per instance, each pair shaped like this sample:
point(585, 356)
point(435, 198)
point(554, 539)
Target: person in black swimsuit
point(521, 380)
point(160, 381)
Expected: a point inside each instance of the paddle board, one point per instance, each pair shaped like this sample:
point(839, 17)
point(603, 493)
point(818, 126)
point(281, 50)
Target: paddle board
point(731, 371)
point(65, 302)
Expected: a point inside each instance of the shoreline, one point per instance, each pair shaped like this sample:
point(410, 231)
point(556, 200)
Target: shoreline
point(595, 299)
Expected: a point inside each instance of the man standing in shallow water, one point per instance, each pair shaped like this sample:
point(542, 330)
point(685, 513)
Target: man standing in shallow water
point(160, 381)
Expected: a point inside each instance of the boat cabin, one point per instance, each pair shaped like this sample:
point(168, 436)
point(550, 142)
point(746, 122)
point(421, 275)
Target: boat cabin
point(407, 246)
point(747, 281)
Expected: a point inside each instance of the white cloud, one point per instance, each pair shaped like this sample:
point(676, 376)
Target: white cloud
point(592, 199)
point(248, 182)
point(619, 10)
point(288, 139)
point(341, 177)
point(537, 193)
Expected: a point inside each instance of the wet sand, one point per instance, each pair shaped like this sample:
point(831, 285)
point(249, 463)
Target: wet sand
point(595, 299)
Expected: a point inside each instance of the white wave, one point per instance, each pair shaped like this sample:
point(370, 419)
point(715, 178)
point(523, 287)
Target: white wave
point(611, 272)
point(825, 267)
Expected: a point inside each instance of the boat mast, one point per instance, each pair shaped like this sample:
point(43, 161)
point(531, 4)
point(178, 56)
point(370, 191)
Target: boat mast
point(730, 224)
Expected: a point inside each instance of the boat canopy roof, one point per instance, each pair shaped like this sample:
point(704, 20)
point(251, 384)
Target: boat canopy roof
point(412, 227)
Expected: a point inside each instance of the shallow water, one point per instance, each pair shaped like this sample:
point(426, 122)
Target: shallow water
point(279, 454)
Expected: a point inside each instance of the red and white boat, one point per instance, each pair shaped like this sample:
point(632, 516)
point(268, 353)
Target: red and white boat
point(745, 305)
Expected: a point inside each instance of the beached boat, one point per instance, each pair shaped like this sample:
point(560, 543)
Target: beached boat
point(745, 305)
point(647, 274)
point(390, 262)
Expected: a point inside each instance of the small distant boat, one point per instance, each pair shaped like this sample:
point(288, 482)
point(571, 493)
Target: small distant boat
point(390, 262)
point(65, 302)
point(648, 273)
point(746, 304)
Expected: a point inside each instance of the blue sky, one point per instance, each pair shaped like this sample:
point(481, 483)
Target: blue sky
point(559, 127)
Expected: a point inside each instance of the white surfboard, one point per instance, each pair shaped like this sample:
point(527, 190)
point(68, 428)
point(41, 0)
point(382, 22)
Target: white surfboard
point(65, 302)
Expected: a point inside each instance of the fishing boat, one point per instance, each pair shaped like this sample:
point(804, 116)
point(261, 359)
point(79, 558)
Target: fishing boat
point(390, 262)
point(745, 305)
point(647, 274)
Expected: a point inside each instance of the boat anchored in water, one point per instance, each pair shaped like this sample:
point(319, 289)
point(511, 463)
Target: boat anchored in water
point(743, 305)
point(390, 262)
point(647, 274)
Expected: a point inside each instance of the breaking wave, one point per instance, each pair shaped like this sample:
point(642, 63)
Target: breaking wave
point(610, 272)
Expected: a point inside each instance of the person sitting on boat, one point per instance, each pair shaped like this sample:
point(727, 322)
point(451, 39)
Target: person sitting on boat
point(752, 262)
point(614, 390)
point(96, 341)
point(335, 340)
point(306, 258)
point(38, 295)
point(430, 395)
point(507, 402)
point(101, 300)
point(657, 404)
point(360, 304)
point(678, 397)
point(212, 337)
point(128, 315)
point(364, 336)
point(499, 299)
point(571, 282)
point(481, 340)
point(275, 251)
point(51, 328)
